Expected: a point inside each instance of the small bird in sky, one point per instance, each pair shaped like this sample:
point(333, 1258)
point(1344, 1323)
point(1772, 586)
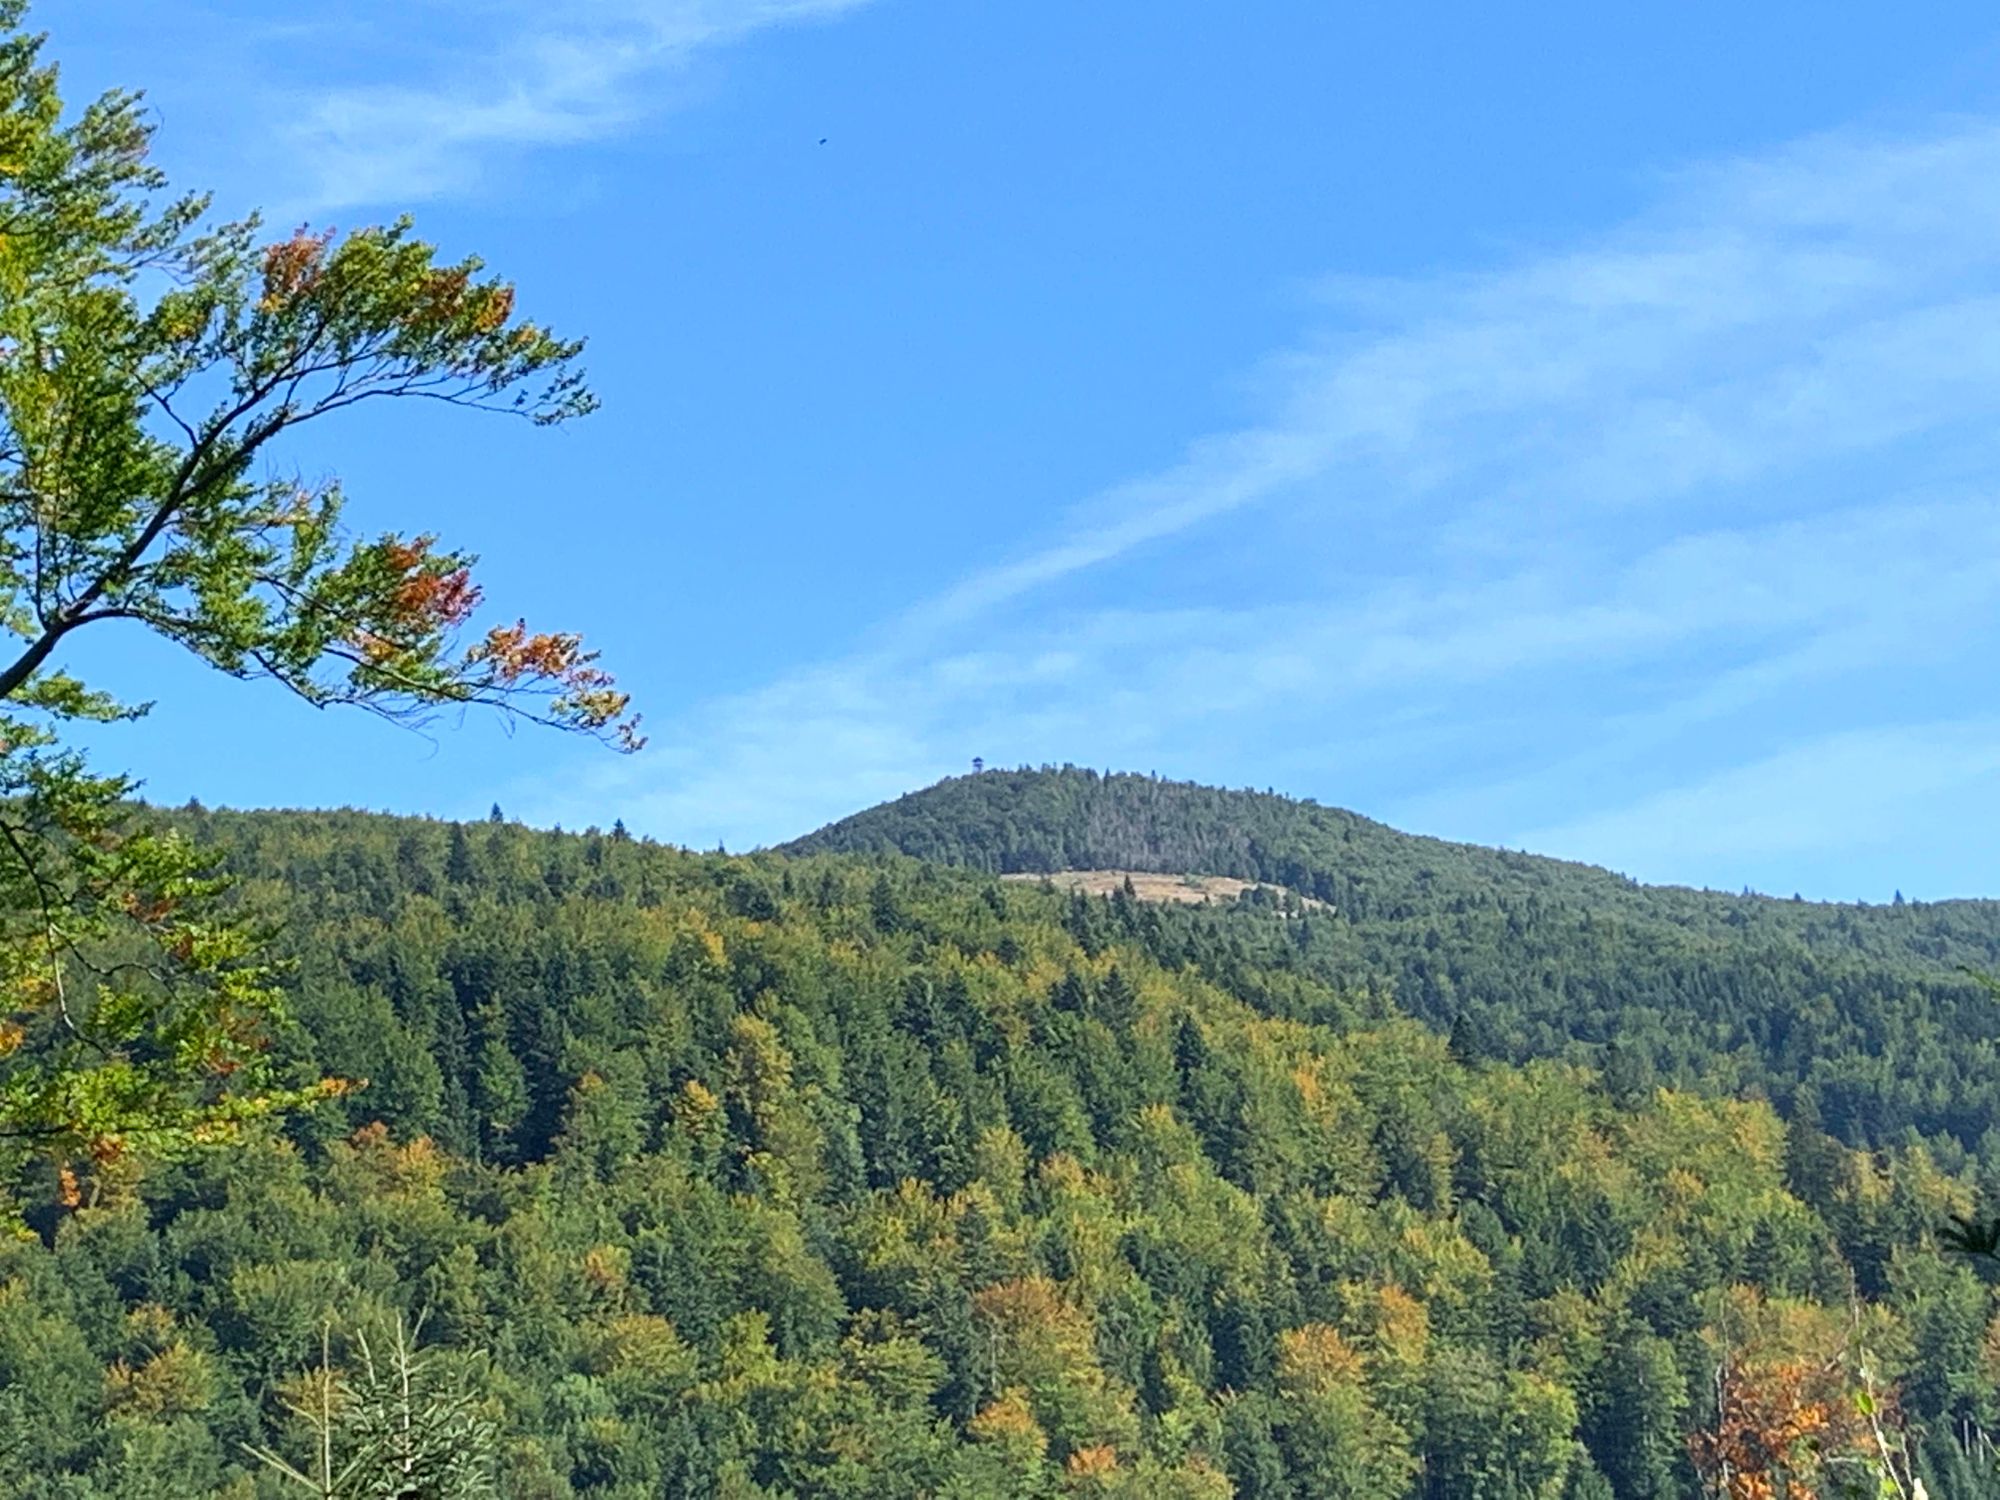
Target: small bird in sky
point(822, 140)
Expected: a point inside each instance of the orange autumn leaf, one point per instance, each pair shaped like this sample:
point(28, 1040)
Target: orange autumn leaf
point(1102, 1459)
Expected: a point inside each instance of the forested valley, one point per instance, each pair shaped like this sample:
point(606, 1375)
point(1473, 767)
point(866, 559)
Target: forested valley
point(853, 1174)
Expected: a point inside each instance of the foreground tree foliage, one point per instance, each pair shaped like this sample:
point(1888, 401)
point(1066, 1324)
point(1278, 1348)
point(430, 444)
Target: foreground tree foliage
point(825, 1177)
point(150, 367)
point(391, 1427)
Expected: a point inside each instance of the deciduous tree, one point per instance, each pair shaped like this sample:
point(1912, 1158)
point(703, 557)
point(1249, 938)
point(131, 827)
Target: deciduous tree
point(152, 363)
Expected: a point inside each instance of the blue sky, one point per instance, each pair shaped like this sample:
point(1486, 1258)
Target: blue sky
point(1565, 427)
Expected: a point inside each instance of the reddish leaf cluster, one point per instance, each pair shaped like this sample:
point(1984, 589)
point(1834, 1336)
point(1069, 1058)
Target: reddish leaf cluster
point(427, 597)
point(293, 267)
point(448, 296)
point(585, 695)
point(1777, 1426)
point(515, 655)
point(148, 910)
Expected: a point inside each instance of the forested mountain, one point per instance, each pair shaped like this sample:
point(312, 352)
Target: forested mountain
point(1861, 1018)
point(1049, 820)
point(836, 1176)
point(1073, 819)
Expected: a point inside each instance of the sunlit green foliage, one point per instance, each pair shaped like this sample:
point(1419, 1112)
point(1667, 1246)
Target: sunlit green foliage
point(717, 1180)
point(151, 366)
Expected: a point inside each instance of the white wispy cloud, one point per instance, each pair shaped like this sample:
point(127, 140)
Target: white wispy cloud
point(1745, 325)
point(1870, 789)
point(1504, 546)
point(492, 78)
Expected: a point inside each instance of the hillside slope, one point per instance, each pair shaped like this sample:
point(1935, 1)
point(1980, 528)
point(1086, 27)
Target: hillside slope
point(1069, 818)
point(1862, 1017)
point(768, 1177)
point(1046, 820)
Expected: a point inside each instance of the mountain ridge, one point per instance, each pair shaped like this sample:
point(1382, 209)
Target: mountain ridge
point(1869, 1018)
point(1055, 819)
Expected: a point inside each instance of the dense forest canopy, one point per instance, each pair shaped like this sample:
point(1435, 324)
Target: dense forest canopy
point(1862, 1018)
point(855, 1175)
point(1070, 818)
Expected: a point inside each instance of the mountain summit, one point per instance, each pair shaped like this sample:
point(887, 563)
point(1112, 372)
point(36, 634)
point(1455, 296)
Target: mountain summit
point(1048, 820)
point(1043, 821)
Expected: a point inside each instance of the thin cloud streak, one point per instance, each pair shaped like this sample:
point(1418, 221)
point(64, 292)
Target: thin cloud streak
point(549, 76)
point(1723, 340)
point(1408, 661)
point(1879, 782)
